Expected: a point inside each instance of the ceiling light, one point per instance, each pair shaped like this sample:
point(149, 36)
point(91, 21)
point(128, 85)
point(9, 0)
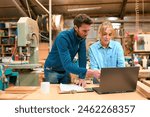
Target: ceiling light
point(83, 9)
point(112, 18)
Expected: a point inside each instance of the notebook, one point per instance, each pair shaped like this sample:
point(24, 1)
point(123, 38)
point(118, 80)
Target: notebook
point(71, 88)
point(116, 80)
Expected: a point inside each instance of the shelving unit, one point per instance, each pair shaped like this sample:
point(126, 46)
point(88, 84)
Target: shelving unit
point(142, 52)
point(141, 47)
point(120, 37)
point(8, 32)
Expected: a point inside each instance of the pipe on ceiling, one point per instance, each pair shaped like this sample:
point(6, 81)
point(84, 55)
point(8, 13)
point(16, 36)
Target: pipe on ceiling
point(41, 6)
point(20, 9)
point(123, 21)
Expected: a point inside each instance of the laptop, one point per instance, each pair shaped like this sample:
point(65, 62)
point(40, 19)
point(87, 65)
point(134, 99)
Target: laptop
point(117, 80)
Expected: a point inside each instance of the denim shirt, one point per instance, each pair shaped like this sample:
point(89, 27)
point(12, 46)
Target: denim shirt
point(112, 56)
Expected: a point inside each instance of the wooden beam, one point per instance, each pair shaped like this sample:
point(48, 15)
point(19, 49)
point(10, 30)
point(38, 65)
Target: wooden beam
point(76, 4)
point(71, 16)
point(123, 9)
point(9, 19)
point(124, 21)
point(96, 3)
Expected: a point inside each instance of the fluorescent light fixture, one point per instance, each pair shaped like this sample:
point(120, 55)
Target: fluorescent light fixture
point(112, 18)
point(83, 9)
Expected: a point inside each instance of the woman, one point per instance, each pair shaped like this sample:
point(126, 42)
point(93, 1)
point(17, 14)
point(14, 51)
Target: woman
point(106, 52)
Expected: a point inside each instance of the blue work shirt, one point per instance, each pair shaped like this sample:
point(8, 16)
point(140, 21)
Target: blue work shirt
point(112, 56)
point(67, 44)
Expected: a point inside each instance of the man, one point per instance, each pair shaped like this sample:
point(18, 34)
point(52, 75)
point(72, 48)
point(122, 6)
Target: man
point(59, 63)
point(106, 52)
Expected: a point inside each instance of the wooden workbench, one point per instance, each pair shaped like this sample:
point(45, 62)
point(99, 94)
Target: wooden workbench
point(144, 73)
point(54, 95)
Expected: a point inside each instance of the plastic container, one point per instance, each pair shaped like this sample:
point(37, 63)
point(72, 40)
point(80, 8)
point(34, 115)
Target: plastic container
point(144, 62)
point(16, 57)
point(136, 61)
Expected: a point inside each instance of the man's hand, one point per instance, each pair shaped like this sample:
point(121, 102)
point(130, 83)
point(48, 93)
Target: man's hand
point(97, 74)
point(81, 82)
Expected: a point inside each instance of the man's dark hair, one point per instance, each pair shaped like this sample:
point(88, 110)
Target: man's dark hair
point(82, 19)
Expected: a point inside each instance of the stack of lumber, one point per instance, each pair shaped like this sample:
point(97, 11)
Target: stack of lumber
point(143, 87)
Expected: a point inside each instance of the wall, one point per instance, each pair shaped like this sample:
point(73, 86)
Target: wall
point(130, 27)
point(43, 50)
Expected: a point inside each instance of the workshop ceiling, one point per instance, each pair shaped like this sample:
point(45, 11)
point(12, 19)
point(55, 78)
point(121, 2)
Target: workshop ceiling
point(13, 9)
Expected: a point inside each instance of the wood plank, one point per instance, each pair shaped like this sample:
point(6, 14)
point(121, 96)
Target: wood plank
point(139, 91)
point(5, 96)
point(145, 73)
point(21, 89)
point(54, 95)
point(144, 89)
point(146, 82)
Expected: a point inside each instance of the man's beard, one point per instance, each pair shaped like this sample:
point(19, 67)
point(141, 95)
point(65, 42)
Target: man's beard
point(80, 36)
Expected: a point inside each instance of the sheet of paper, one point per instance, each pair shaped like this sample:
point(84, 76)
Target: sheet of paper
point(71, 87)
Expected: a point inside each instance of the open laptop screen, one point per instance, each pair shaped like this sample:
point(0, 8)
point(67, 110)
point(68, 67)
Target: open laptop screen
point(120, 79)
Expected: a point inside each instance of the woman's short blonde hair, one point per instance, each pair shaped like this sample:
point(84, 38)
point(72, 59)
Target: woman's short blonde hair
point(103, 26)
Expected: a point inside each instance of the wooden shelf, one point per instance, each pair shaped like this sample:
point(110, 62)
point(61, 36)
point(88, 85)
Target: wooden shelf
point(4, 28)
point(4, 36)
point(13, 27)
point(7, 44)
point(7, 38)
point(146, 52)
point(121, 37)
point(8, 53)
